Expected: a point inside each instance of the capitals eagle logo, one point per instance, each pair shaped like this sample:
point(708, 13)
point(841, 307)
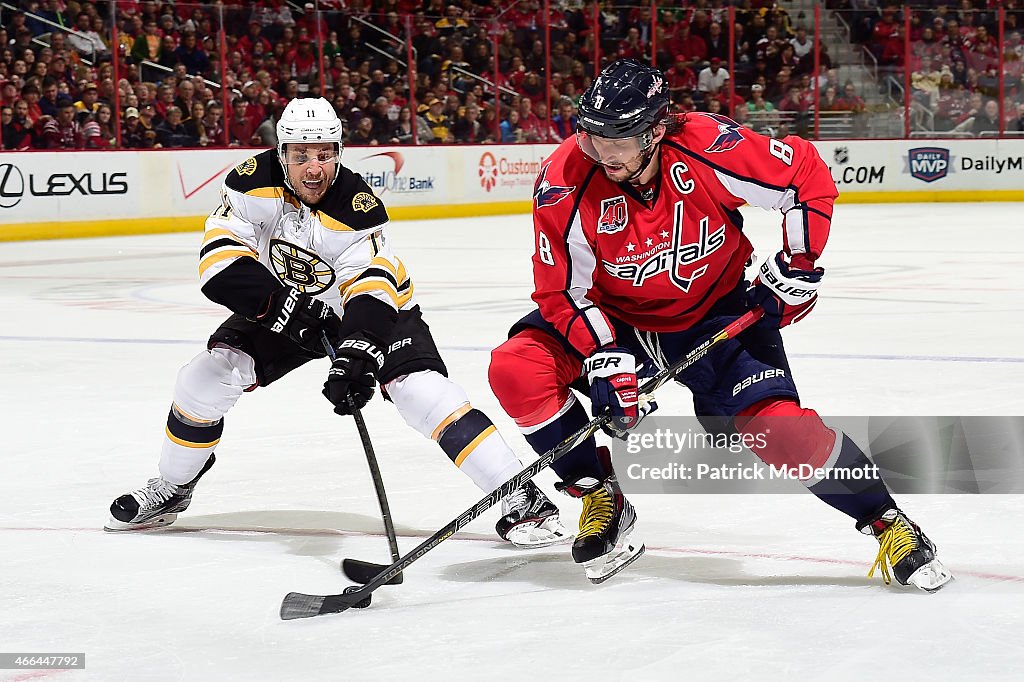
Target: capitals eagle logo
point(729, 134)
point(546, 194)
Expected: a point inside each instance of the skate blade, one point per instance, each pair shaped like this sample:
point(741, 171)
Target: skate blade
point(530, 535)
point(114, 526)
point(931, 577)
point(600, 569)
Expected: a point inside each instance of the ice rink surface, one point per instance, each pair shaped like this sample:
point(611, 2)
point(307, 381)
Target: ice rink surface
point(920, 314)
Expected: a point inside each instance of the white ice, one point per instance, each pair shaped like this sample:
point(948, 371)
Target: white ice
point(920, 314)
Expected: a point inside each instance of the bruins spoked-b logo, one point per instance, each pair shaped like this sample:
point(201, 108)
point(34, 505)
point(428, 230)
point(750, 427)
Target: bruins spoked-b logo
point(300, 268)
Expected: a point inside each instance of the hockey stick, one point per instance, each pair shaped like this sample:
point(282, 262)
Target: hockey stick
point(298, 605)
point(355, 570)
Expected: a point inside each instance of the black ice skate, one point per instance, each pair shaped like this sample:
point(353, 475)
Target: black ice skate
point(605, 544)
point(908, 551)
point(530, 519)
point(155, 505)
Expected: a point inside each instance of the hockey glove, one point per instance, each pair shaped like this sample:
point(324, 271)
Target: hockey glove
point(611, 372)
point(786, 291)
point(357, 363)
point(298, 316)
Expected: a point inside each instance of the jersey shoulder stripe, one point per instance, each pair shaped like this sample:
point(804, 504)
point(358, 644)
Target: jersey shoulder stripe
point(259, 176)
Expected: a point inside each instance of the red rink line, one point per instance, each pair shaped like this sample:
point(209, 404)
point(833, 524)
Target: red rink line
point(312, 532)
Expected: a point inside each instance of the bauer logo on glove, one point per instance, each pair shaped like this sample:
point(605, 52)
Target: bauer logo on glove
point(786, 291)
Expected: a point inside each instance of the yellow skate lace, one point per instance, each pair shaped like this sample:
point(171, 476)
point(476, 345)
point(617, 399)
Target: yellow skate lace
point(597, 512)
point(895, 543)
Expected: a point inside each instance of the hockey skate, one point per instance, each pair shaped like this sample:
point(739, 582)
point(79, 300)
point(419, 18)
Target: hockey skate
point(906, 551)
point(530, 519)
point(154, 506)
point(605, 543)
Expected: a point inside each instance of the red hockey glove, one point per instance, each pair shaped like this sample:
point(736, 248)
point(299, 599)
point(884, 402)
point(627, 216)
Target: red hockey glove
point(786, 291)
point(611, 372)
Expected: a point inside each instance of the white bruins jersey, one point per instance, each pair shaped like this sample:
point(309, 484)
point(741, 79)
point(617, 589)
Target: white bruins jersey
point(336, 251)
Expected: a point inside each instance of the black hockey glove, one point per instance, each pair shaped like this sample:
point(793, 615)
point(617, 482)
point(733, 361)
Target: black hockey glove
point(357, 363)
point(298, 316)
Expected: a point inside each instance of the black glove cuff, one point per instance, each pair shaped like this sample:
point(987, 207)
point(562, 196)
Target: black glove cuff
point(360, 347)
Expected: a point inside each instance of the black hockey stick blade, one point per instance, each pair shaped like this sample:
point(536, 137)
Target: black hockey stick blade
point(364, 571)
point(297, 605)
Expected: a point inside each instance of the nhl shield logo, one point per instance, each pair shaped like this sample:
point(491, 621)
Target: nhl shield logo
point(928, 164)
point(614, 215)
point(841, 155)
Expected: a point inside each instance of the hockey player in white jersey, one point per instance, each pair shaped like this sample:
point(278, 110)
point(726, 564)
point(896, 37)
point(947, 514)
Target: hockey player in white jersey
point(298, 248)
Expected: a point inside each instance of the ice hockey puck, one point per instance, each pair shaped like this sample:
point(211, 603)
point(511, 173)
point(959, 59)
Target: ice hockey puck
point(359, 604)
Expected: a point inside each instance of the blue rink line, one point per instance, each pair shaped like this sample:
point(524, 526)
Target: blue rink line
point(485, 349)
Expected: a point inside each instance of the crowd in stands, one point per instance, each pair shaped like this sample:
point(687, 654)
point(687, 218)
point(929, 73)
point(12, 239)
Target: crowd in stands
point(58, 88)
point(955, 62)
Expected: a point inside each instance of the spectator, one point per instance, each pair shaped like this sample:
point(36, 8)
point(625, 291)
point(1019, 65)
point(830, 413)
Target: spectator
point(194, 124)
point(712, 77)
point(98, 132)
point(680, 78)
point(468, 129)
point(438, 122)
point(529, 123)
point(510, 131)
point(192, 55)
point(133, 135)
point(85, 41)
point(402, 132)
point(851, 101)
point(62, 132)
point(1016, 125)
point(241, 128)
point(171, 133)
point(16, 135)
point(717, 42)
point(213, 123)
point(148, 122)
point(986, 120)
point(565, 121)
point(802, 45)
point(363, 134)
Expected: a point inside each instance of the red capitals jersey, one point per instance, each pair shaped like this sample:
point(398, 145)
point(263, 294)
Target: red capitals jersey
point(659, 258)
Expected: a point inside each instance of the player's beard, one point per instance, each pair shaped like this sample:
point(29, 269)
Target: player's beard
point(311, 186)
point(631, 172)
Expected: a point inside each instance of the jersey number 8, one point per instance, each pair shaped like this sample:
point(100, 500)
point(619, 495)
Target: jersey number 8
point(544, 249)
point(781, 151)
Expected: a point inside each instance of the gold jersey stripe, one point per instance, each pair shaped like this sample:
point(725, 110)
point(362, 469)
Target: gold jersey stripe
point(266, 192)
point(449, 420)
point(468, 450)
point(373, 285)
point(343, 287)
point(187, 444)
point(223, 255)
point(332, 224)
point(215, 232)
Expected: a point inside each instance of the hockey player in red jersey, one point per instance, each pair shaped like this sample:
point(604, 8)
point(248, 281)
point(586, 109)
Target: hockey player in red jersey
point(640, 255)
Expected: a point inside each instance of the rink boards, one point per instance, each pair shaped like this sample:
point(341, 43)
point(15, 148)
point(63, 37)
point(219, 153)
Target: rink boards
point(78, 194)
